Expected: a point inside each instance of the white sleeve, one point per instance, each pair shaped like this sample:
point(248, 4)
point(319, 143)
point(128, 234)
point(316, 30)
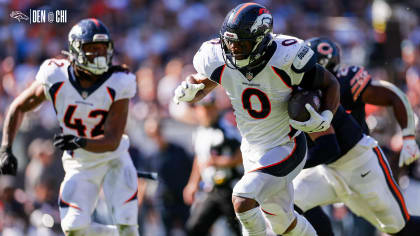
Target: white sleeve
point(207, 61)
point(304, 60)
point(127, 86)
point(43, 76)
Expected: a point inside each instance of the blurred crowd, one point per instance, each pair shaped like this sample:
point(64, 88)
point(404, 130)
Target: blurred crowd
point(157, 39)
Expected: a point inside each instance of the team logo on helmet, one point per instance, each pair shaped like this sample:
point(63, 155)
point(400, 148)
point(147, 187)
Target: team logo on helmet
point(263, 20)
point(324, 48)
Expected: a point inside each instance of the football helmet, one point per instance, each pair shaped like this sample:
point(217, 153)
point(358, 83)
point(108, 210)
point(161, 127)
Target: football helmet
point(90, 31)
point(327, 52)
point(246, 22)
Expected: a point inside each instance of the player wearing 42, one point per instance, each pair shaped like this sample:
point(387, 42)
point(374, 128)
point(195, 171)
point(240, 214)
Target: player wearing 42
point(90, 97)
point(259, 71)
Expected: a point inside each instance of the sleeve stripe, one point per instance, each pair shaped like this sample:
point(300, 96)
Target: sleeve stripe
point(358, 83)
point(283, 77)
point(55, 88)
point(217, 74)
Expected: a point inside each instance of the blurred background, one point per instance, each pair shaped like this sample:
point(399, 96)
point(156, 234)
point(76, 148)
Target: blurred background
point(157, 39)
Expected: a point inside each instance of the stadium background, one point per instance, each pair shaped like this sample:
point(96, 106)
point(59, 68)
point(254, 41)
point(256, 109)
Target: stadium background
point(157, 40)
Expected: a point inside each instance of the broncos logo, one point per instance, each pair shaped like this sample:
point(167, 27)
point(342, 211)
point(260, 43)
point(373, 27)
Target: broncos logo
point(18, 15)
point(263, 21)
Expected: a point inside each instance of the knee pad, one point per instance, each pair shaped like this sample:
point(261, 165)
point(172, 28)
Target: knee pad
point(302, 228)
point(128, 230)
point(252, 222)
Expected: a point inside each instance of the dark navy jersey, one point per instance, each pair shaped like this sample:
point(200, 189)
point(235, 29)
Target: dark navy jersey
point(353, 81)
point(347, 131)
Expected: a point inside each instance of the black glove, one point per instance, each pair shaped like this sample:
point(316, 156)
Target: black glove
point(68, 142)
point(8, 162)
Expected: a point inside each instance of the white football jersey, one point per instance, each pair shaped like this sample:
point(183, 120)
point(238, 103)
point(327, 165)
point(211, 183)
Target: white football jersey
point(82, 112)
point(260, 101)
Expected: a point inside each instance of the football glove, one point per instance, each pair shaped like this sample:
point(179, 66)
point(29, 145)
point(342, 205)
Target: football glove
point(68, 142)
point(409, 152)
point(186, 92)
point(8, 162)
point(316, 123)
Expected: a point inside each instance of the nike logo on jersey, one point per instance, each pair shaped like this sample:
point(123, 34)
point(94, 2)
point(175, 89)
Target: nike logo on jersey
point(364, 175)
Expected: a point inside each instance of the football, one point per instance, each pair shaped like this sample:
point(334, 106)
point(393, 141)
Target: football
point(296, 104)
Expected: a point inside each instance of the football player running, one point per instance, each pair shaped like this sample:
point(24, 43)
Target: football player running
point(259, 71)
point(90, 97)
point(358, 89)
point(356, 170)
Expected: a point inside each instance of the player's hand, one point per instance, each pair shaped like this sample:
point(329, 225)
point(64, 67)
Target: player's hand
point(409, 152)
point(68, 142)
point(186, 91)
point(8, 162)
point(189, 193)
point(317, 122)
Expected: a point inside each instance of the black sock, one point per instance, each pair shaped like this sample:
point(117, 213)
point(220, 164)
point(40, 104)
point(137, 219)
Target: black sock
point(318, 219)
point(412, 227)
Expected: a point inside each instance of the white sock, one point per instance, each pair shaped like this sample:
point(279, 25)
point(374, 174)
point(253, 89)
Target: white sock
point(302, 228)
point(253, 223)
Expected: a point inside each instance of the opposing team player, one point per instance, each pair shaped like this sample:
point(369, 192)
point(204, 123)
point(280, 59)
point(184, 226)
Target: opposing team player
point(357, 89)
point(356, 172)
point(258, 71)
point(90, 97)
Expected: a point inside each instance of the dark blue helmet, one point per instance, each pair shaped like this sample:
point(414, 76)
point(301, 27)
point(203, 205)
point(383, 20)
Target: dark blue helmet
point(251, 22)
point(90, 31)
point(327, 52)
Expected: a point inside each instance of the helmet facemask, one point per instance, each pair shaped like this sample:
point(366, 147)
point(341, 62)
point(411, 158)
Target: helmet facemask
point(100, 63)
point(81, 35)
point(255, 26)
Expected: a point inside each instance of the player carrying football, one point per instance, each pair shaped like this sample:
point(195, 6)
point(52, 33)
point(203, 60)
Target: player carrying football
point(90, 97)
point(259, 71)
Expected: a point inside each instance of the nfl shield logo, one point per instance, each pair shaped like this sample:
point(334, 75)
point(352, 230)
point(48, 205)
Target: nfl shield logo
point(249, 75)
point(84, 94)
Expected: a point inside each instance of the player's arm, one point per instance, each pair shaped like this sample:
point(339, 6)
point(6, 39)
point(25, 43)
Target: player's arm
point(113, 130)
point(382, 93)
point(28, 100)
point(193, 89)
point(325, 149)
point(192, 186)
point(319, 78)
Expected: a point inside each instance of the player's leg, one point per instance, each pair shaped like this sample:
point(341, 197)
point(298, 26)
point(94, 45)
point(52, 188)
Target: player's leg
point(120, 189)
point(318, 219)
point(275, 197)
point(312, 189)
point(203, 216)
point(78, 195)
point(381, 202)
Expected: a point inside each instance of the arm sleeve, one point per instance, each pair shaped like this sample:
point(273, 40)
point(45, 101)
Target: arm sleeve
point(303, 62)
point(43, 76)
point(324, 151)
point(127, 86)
point(207, 63)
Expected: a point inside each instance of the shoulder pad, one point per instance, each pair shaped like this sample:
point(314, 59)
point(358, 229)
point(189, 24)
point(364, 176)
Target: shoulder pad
point(124, 85)
point(208, 58)
point(305, 59)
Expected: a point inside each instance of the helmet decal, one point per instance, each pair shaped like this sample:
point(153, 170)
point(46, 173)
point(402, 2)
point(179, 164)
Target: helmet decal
point(264, 20)
point(324, 48)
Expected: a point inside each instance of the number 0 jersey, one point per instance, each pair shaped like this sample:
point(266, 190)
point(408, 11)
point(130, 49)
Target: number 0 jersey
point(82, 112)
point(260, 100)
